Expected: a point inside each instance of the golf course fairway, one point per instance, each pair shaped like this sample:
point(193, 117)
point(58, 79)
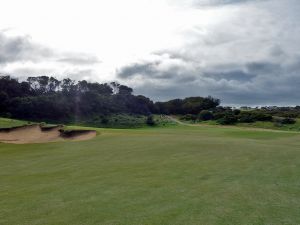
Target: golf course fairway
point(173, 175)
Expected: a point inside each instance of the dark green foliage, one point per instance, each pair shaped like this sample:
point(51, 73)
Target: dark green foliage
point(125, 121)
point(218, 115)
point(104, 120)
point(289, 112)
point(150, 121)
point(252, 116)
point(46, 98)
point(288, 121)
point(191, 105)
point(189, 117)
point(228, 119)
point(283, 121)
point(226, 115)
point(260, 116)
point(205, 115)
point(236, 112)
point(246, 117)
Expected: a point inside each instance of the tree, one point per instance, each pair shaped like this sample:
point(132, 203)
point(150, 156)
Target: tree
point(3, 102)
point(191, 105)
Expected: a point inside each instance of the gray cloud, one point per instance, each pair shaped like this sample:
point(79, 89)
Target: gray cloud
point(135, 69)
point(20, 49)
point(265, 86)
point(219, 2)
point(73, 73)
point(253, 58)
point(21, 57)
point(234, 75)
point(79, 59)
point(213, 3)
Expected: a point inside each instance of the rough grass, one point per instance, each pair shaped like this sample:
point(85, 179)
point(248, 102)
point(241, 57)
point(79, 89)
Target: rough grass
point(258, 124)
point(177, 175)
point(272, 125)
point(124, 121)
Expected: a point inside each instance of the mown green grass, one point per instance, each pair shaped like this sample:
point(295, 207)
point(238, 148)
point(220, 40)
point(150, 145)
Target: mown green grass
point(5, 123)
point(174, 175)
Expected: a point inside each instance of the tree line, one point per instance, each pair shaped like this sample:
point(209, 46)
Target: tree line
point(47, 98)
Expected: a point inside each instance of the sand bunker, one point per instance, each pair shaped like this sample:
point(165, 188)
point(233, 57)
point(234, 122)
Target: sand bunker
point(38, 134)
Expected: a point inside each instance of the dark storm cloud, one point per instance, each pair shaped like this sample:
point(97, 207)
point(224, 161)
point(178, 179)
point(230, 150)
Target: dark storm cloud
point(256, 83)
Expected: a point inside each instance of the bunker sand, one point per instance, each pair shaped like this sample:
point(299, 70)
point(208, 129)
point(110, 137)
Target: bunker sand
point(38, 134)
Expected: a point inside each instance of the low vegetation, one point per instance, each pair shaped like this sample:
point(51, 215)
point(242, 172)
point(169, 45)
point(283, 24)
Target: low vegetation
point(6, 123)
point(275, 118)
point(126, 121)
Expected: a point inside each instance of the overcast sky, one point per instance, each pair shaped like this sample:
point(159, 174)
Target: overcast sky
point(245, 52)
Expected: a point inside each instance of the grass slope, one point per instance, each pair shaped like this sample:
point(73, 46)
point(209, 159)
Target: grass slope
point(5, 123)
point(175, 175)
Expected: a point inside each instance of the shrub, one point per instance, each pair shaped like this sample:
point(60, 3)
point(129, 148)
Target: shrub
point(150, 120)
point(205, 115)
point(282, 121)
point(288, 121)
point(104, 120)
point(219, 115)
point(228, 119)
point(258, 116)
point(252, 116)
point(189, 117)
point(246, 117)
point(236, 112)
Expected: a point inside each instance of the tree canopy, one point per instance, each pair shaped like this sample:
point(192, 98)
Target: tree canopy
point(47, 98)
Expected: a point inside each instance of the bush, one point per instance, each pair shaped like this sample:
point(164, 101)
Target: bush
point(246, 117)
point(189, 117)
point(236, 112)
point(252, 116)
point(219, 115)
point(258, 116)
point(282, 121)
point(228, 119)
point(150, 120)
point(288, 121)
point(104, 120)
point(205, 115)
